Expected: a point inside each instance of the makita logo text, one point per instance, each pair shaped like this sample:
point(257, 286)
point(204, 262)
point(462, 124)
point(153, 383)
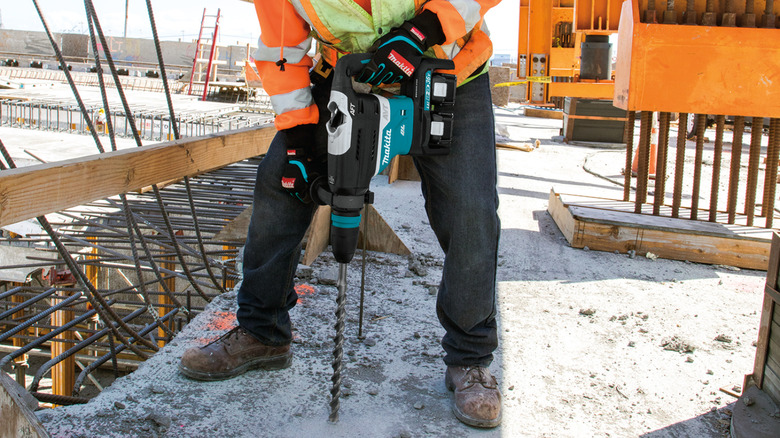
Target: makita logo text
point(288, 183)
point(386, 147)
point(401, 63)
point(416, 32)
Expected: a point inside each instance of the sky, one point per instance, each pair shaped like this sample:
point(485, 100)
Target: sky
point(180, 19)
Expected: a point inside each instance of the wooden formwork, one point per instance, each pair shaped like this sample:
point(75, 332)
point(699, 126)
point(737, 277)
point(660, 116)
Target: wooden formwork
point(755, 414)
point(611, 225)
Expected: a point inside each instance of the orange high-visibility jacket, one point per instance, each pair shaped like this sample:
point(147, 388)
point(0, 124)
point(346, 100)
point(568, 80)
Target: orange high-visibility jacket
point(288, 26)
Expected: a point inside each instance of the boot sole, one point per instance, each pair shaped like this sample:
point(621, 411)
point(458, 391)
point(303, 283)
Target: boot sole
point(463, 417)
point(265, 363)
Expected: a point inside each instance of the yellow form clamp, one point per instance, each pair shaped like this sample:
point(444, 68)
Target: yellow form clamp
point(541, 79)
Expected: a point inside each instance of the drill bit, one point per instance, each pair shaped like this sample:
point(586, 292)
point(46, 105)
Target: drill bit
point(338, 348)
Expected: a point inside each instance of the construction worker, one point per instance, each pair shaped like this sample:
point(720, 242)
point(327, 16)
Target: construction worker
point(459, 189)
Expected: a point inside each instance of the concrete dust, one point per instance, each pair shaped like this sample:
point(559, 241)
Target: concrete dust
point(584, 335)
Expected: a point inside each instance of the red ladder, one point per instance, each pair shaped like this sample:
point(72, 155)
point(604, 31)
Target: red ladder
point(202, 42)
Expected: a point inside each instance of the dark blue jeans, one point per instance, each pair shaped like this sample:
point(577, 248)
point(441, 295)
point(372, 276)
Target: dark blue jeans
point(461, 202)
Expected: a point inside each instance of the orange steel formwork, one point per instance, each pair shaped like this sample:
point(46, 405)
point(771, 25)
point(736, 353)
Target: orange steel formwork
point(701, 63)
point(696, 69)
point(549, 39)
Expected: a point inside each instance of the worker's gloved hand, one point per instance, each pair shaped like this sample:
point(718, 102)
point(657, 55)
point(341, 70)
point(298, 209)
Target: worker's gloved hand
point(397, 54)
point(304, 164)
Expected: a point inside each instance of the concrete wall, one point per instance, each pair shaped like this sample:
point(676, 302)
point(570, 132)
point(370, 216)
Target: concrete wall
point(34, 43)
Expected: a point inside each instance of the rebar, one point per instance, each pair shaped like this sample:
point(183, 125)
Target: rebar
point(68, 76)
point(645, 132)
point(701, 124)
point(720, 122)
point(27, 303)
point(63, 400)
point(628, 138)
point(46, 337)
point(29, 323)
point(736, 158)
point(709, 17)
point(690, 17)
point(105, 358)
point(113, 242)
point(81, 345)
point(659, 191)
point(756, 129)
point(670, 15)
point(770, 182)
point(748, 19)
point(679, 163)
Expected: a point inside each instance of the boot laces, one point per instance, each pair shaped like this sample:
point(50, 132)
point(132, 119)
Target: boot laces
point(480, 375)
point(229, 336)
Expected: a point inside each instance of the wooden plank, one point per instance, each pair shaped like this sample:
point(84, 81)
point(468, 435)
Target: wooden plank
point(392, 170)
point(773, 360)
point(525, 147)
point(768, 311)
point(662, 223)
point(773, 350)
point(562, 217)
point(672, 245)
point(318, 235)
point(544, 113)
point(380, 236)
point(16, 411)
point(235, 230)
point(765, 332)
point(402, 167)
point(771, 384)
point(578, 117)
point(32, 191)
point(739, 227)
point(670, 238)
point(776, 317)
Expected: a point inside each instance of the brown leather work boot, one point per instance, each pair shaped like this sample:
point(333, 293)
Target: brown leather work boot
point(477, 397)
point(232, 354)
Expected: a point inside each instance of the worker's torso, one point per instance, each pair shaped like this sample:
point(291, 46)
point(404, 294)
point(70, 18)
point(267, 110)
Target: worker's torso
point(354, 25)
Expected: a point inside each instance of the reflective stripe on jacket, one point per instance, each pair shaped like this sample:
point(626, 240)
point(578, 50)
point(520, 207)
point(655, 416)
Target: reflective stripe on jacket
point(347, 26)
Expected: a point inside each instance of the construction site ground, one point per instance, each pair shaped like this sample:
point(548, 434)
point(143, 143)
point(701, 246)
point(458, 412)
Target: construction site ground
point(592, 344)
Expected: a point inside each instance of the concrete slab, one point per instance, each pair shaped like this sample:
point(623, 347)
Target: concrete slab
point(592, 343)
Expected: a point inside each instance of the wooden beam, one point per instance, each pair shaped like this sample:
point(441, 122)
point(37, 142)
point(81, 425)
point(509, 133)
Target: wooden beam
point(318, 235)
point(402, 167)
point(33, 191)
point(379, 234)
point(767, 312)
point(544, 113)
point(677, 239)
